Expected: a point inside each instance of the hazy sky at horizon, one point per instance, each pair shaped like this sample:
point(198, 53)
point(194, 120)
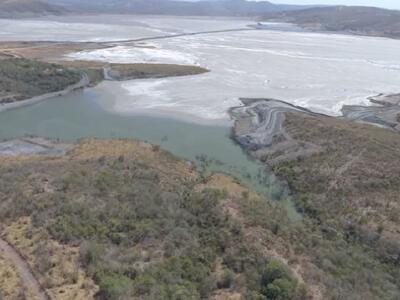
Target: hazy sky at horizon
point(393, 4)
point(380, 3)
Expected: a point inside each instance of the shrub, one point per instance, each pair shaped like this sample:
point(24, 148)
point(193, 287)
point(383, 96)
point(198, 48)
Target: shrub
point(90, 253)
point(114, 287)
point(280, 289)
point(226, 280)
point(277, 282)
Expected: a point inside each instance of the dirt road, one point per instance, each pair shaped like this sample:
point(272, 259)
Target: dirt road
point(28, 278)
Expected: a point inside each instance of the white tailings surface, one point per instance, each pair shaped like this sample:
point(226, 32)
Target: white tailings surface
point(318, 71)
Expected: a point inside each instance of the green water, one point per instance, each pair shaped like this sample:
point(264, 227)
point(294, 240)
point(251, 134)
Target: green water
point(78, 115)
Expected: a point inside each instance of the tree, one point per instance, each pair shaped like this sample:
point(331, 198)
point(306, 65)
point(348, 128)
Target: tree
point(277, 282)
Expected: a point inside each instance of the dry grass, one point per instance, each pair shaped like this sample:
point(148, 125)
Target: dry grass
point(10, 283)
point(64, 279)
point(46, 51)
point(130, 71)
point(171, 169)
point(357, 174)
point(348, 191)
point(124, 71)
point(60, 272)
point(57, 265)
point(239, 198)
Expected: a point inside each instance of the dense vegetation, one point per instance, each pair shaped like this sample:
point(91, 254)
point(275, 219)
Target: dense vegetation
point(349, 194)
point(21, 79)
point(135, 71)
point(95, 70)
point(149, 227)
point(146, 228)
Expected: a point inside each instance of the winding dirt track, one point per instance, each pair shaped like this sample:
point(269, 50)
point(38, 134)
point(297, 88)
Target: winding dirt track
point(28, 278)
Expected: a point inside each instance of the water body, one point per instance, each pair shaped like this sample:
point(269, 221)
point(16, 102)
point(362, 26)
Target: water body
point(78, 115)
point(316, 70)
point(319, 71)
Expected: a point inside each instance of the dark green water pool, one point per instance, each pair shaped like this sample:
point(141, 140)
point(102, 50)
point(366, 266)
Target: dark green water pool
point(78, 115)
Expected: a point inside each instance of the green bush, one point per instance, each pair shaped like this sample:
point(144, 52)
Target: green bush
point(114, 287)
point(280, 289)
point(226, 280)
point(277, 282)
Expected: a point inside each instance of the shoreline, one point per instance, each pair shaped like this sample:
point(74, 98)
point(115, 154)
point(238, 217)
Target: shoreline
point(258, 123)
point(109, 97)
point(84, 82)
point(177, 116)
point(110, 72)
point(33, 146)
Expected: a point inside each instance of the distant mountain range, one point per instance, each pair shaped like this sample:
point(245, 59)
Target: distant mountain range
point(20, 8)
point(360, 20)
point(349, 19)
point(172, 7)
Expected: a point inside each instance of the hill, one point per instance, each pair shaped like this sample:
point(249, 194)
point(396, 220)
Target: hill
point(22, 79)
point(360, 20)
point(344, 178)
point(119, 219)
point(171, 7)
point(20, 8)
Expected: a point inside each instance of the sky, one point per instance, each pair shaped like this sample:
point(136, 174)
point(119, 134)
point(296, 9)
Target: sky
point(394, 4)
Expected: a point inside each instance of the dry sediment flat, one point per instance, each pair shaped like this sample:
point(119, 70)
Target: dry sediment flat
point(33, 146)
point(46, 51)
point(385, 112)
